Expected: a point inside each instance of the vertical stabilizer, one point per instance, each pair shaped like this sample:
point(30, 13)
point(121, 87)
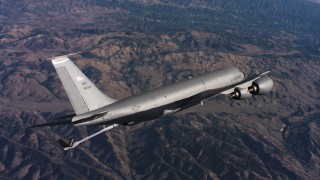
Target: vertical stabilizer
point(83, 94)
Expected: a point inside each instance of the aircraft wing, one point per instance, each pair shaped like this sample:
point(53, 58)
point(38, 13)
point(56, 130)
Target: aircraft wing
point(209, 94)
point(245, 83)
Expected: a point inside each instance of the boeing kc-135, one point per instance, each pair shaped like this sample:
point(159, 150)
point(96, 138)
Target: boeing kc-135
point(92, 107)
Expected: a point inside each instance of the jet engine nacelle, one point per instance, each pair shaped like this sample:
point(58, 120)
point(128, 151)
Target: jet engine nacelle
point(240, 93)
point(260, 86)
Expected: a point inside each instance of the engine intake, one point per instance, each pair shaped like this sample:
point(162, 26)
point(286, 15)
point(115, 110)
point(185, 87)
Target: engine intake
point(240, 93)
point(260, 86)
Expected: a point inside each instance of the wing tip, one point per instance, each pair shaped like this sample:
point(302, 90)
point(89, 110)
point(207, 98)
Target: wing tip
point(267, 72)
point(63, 58)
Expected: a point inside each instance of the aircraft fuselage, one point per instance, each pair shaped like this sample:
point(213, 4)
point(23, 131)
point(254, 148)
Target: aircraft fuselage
point(162, 101)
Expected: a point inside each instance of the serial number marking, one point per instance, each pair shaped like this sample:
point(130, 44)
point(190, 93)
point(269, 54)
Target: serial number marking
point(87, 87)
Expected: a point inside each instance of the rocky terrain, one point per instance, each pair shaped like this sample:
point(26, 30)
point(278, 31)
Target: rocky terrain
point(129, 47)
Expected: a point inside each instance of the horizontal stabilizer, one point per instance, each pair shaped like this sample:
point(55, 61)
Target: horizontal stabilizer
point(68, 116)
point(60, 122)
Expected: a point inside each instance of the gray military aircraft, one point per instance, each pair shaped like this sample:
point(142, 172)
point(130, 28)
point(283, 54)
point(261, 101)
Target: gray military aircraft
point(92, 107)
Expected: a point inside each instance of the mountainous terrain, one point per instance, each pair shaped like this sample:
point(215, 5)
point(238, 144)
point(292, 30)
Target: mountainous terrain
point(129, 47)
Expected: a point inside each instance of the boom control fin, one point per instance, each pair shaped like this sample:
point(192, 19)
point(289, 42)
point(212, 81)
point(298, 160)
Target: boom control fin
point(64, 144)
